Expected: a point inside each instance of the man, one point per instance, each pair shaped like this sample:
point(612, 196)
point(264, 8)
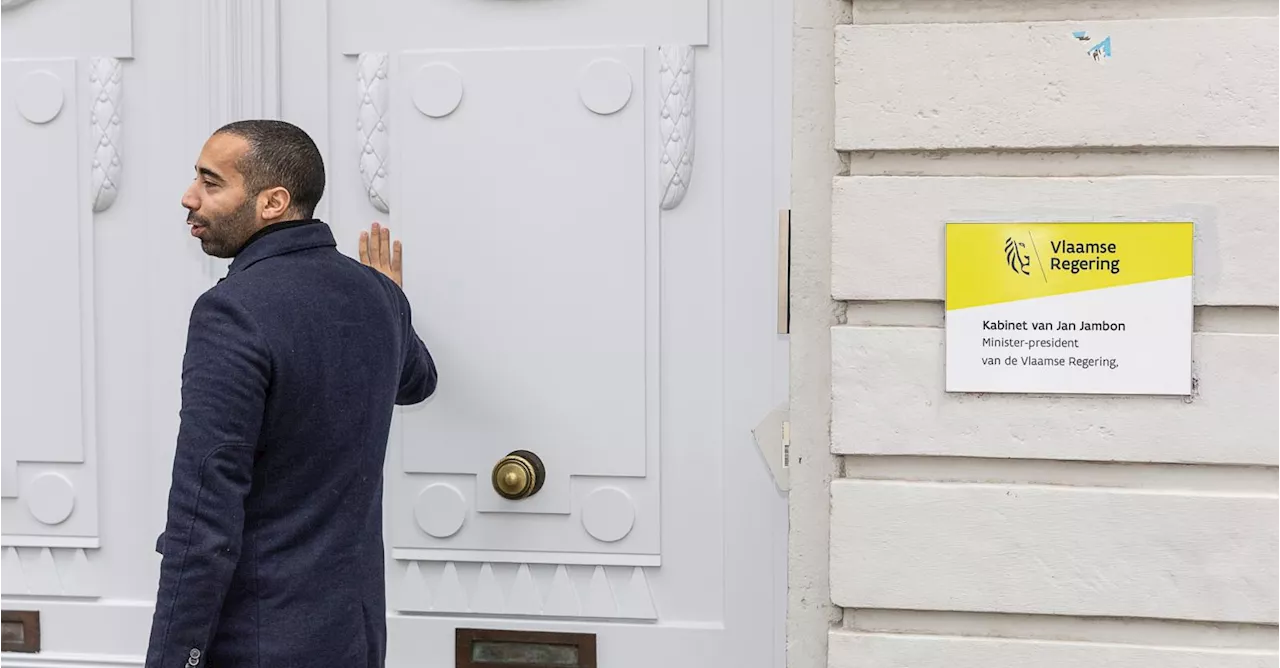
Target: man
point(272, 552)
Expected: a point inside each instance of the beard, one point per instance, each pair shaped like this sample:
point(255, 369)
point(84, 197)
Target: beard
point(224, 235)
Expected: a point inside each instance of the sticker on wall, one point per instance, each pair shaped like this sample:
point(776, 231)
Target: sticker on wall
point(1097, 51)
point(1101, 50)
point(1077, 308)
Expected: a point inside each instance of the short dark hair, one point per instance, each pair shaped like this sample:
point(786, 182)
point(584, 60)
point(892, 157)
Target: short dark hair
point(280, 154)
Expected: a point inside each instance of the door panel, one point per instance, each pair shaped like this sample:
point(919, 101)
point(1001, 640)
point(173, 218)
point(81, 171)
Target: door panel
point(569, 227)
point(527, 213)
point(50, 465)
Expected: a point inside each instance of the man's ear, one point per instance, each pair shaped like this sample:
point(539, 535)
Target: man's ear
point(275, 203)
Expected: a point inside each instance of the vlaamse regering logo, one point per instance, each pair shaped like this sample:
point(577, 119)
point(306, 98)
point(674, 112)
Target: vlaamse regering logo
point(1015, 254)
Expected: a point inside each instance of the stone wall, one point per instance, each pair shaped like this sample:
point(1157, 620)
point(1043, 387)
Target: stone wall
point(939, 530)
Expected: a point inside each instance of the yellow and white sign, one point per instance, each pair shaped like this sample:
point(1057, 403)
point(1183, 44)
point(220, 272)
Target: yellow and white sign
point(1079, 308)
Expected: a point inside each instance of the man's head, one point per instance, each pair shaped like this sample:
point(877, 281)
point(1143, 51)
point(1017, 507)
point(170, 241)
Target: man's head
point(251, 174)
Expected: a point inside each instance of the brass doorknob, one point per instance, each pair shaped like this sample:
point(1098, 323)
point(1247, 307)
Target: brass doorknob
point(519, 475)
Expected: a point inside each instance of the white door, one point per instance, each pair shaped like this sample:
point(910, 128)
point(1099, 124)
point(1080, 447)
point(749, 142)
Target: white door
point(587, 194)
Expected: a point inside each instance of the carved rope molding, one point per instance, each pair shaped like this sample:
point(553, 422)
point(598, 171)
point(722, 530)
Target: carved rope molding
point(676, 123)
point(371, 128)
point(105, 75)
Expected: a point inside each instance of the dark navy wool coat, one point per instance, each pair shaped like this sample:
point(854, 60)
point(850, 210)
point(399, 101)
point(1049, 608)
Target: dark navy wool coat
point(272, 552)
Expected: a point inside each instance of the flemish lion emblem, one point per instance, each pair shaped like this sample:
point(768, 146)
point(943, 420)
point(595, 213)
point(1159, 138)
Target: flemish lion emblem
point(1018, 261)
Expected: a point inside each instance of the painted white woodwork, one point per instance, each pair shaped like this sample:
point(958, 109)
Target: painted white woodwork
point(413, 640)
point(632, 346)
point(50, 570)
point(546, 590)
point(51, 355)
point(374, 136)
point(105, 81)
point(570, 248)
point(67, 28)
point(238, 71)
point(241, 40)
point(395, 25)
point(515, 168)
point(49, 457)
point(676, 122)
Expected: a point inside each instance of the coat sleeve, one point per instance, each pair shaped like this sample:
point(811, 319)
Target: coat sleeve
point(226, 372)
point(418, 376)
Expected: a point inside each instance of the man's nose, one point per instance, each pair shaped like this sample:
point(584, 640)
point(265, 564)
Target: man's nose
point(189, 199)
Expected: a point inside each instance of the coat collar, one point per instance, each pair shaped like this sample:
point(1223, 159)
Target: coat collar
point(281, 238)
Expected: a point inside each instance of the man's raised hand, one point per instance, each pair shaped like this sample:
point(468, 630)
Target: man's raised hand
point(377, 251)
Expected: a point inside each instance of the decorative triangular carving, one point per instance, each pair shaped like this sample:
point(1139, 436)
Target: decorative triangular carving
point(14, 577)
point(78, 576)
point(599, 600)
point(414, 595)
point(524, 599)
point(562, 600)
point(42, 572)
point(635, 600)
point(488, 594)
point(451, 595)
point(552, 590)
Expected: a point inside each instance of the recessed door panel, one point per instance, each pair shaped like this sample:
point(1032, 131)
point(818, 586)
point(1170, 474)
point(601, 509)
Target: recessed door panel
point(49, 465)
point(522, 194)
